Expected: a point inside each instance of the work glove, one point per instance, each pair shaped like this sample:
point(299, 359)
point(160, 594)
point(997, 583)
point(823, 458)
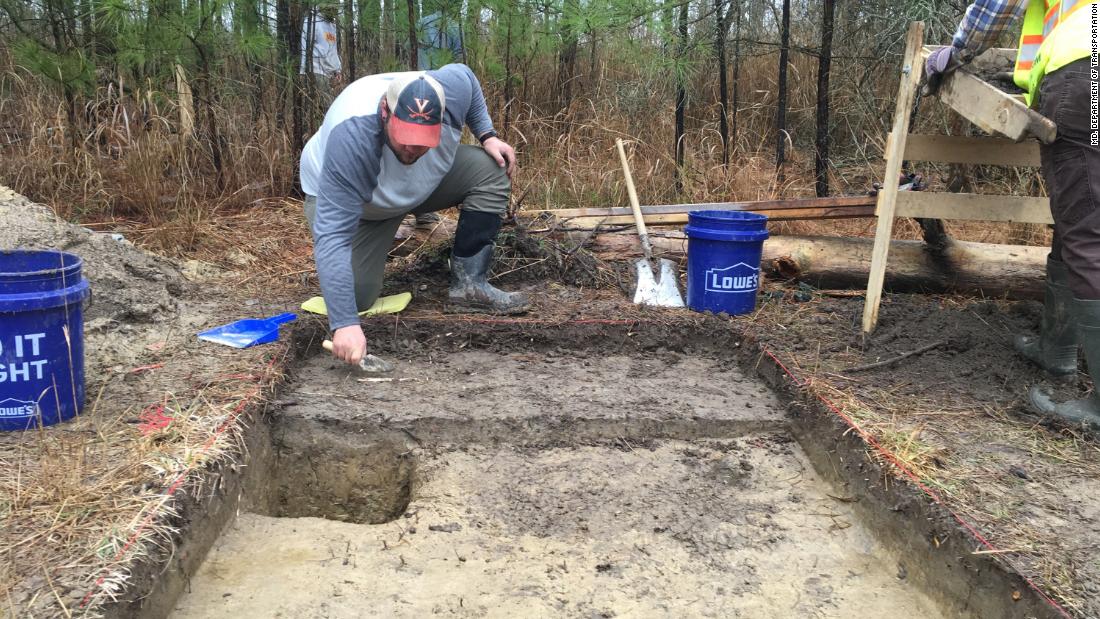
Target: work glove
point(939, 65)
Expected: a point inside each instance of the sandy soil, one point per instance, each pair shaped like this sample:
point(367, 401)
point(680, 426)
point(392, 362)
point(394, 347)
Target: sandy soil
point(716, 529)
point(538, 489)
point(440, 394)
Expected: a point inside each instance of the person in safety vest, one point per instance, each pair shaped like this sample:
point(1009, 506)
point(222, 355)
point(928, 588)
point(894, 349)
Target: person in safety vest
point(389, 146)
point(1055, 67)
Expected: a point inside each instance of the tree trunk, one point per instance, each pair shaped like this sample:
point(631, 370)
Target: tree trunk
point(821, 158)
point(723, 88)
point(297, 139)
point(208, 96)
point(284, 35)
point(1004, 271)
point(349, 40)
point(389, 25)
point(307, 81)
point(507, 70)
point(567, 58)
point(414, 45)
point(370, 36)
point(781, 103)
point(736, 75)
point(1000, 271)
point(681, 96)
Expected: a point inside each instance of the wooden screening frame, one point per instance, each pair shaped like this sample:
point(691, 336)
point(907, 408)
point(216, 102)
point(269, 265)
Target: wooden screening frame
point(986, 107)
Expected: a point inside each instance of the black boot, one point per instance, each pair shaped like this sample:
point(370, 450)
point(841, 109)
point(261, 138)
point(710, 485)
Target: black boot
point(1085, 411)
point(473, 254)
point(1055, 348)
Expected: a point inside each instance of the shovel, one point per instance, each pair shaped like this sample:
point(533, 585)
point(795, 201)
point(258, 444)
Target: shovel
point(660, 290)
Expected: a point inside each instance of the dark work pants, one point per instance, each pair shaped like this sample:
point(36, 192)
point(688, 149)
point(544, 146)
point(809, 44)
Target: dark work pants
point(1071, 169)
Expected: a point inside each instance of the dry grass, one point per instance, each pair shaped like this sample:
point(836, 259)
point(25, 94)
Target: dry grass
point(83, 501)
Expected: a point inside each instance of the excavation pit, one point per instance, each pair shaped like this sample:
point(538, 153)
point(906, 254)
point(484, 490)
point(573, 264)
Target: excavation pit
point(739, 527)
point(595, 468)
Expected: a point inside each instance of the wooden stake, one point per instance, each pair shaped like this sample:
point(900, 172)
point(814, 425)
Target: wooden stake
point(887, 199)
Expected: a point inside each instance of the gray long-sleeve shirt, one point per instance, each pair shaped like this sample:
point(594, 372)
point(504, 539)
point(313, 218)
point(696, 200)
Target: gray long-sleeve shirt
point(354, 175)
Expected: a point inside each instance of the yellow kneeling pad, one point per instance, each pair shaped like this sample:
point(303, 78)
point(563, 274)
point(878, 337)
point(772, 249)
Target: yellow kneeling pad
point(385, 305)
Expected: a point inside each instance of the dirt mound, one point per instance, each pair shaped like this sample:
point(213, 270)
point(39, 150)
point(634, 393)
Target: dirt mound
point(128, 284)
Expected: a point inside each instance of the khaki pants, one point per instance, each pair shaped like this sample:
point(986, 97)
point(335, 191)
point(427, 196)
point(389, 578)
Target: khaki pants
point(1071, 169)
point(475, 181)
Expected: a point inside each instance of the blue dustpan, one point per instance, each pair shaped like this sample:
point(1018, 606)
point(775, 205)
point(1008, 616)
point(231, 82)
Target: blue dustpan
point(248, 332)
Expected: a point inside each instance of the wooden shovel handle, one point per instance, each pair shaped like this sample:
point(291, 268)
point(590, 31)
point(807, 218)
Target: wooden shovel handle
point(639, 222)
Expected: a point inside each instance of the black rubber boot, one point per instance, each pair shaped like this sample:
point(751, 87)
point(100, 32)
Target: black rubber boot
point(473, 254)
point(1085, 411)
point(1055, 348)
point(426, 220)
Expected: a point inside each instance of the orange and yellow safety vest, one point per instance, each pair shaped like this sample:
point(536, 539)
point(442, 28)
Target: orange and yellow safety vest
point(1055, 34)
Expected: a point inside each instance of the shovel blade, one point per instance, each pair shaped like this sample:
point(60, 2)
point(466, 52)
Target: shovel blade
point(658, 292)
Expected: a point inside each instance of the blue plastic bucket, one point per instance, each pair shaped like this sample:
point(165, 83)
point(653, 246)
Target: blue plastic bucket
point(724, 249)
point(41, 338)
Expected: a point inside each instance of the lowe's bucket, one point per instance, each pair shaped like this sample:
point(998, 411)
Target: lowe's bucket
point(724, 249)
point(41, 338)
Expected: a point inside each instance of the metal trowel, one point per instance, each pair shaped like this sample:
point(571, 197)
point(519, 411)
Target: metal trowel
point(369, 364)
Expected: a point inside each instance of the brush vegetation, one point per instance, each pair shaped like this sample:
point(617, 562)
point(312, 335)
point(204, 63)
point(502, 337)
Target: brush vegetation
point(158, 117)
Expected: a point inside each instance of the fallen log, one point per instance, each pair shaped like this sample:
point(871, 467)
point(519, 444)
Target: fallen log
point(1008, 271)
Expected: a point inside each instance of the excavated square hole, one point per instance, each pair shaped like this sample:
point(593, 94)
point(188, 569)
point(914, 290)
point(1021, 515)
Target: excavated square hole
point(523, 474)
point(320, 472)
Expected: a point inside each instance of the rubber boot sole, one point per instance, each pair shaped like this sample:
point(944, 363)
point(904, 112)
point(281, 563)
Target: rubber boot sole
point(1072, 413)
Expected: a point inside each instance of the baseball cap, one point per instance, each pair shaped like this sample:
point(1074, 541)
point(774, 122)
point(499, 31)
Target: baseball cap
point(416, 103)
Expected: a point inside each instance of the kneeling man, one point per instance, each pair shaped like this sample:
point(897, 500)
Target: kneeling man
point(389, 146)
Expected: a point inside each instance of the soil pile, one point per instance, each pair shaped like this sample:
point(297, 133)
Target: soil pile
point(161, 407)
point(128, 284)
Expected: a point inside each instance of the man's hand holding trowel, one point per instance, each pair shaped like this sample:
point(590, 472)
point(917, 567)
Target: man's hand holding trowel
point(350, 345)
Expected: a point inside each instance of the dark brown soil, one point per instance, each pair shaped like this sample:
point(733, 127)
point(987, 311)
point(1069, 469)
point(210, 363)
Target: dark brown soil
point(975, 361)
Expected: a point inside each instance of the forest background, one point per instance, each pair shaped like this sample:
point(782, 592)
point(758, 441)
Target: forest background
point(158, 117)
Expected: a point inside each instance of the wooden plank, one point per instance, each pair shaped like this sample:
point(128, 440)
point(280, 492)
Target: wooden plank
point(803, 214)
point(887, 198)
point(994, 111)
point(970, 150)
point(973, 207)
point(755, 206)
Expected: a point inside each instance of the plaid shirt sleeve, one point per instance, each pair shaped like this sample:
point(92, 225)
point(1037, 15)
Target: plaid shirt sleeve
point(983, 23)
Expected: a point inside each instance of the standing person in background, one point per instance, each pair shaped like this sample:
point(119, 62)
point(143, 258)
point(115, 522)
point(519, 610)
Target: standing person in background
point(326, 69)
point(440, 38)
point(1053, 66)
